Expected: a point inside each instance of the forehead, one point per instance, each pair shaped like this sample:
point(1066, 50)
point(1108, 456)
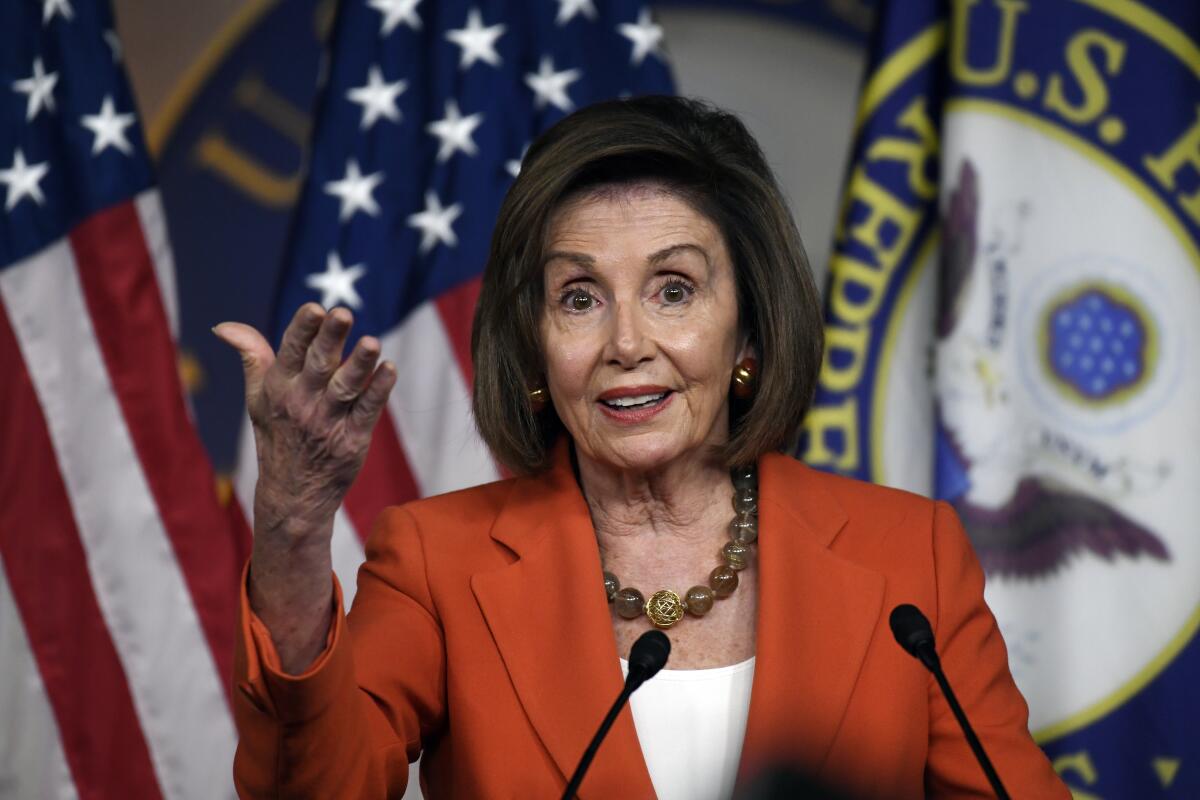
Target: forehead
point(644, 212)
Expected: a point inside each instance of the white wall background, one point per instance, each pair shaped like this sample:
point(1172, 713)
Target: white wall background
point(795, 89)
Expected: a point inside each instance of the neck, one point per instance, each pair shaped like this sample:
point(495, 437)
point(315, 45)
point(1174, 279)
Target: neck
point(680, 500)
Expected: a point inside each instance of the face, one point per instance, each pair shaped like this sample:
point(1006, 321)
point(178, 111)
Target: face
point(640, 327)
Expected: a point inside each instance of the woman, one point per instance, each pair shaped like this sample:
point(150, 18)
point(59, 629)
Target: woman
point(646, 340)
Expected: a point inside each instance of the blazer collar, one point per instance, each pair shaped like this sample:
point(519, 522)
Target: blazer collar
point(551, 622)
point(817, 612)
point(552, 625)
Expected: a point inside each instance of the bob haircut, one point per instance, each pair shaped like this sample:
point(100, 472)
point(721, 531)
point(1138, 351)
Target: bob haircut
point(708, 159)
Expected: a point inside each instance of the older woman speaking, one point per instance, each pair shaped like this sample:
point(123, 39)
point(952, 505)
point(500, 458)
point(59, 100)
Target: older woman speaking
point(647, 338)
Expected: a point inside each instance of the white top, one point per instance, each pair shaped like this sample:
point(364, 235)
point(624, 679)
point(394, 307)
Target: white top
point(691, 723)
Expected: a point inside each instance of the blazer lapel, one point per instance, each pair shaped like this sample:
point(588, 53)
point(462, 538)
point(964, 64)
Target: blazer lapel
point(551, 623)
point(816, 616)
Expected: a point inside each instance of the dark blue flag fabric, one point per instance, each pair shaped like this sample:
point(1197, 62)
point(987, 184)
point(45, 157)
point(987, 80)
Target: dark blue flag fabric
point(426, 112)
point(1012, 326)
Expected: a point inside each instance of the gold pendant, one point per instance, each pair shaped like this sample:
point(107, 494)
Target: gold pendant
point(664, 608)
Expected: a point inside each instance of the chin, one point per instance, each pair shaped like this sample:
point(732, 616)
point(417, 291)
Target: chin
point(646, 453)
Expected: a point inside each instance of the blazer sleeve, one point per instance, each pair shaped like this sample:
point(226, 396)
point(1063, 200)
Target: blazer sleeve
point(351, 723)
point(975, 660)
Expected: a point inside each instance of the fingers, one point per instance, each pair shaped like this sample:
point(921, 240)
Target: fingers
point(352, 376)
point(367, 408)
point(299, 335)
point(254, 349)
point(325, 352)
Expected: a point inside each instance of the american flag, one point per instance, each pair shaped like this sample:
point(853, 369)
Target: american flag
point(428, 109)
point(118, 565)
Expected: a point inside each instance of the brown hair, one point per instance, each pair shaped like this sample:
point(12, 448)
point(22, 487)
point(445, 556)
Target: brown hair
point(711, 161)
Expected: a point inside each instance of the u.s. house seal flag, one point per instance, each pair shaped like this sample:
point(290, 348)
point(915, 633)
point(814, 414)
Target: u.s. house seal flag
point(1013, 325)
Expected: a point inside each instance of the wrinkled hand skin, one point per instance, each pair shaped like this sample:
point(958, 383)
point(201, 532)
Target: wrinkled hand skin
point(312, 415)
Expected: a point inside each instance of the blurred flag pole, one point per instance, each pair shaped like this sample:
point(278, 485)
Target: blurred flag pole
point(120, 566)
point(1012, 327)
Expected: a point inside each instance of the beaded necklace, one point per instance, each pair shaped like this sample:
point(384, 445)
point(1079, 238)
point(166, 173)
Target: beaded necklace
point(664, 608)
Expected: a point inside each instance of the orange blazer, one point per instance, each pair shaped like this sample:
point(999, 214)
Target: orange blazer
point(480, 639)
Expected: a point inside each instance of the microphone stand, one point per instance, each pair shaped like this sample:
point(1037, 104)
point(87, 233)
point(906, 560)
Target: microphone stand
point(976, 746)
point(590, 753)
point(647, 656)
point(914, 633)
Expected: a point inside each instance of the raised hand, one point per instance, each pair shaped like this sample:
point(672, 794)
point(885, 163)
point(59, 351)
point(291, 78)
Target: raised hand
point(312, 416)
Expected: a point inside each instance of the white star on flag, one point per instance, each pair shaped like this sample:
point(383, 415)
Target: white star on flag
point(52, 7)
point(513, 165)
point(454, 132)
point(39, 87)
point(567, 9)
point(550, 87)
point(396, 11)
point(336, 283)
point(114, 44)
point(354, 190)
point(477, 42)
point(22, 180)
point(645, 35)
point(435, 223)
point(377, 98)
point(109, 128)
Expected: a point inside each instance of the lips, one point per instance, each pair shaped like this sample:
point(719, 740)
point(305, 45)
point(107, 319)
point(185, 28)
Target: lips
point(634, 403)
point(634, 400)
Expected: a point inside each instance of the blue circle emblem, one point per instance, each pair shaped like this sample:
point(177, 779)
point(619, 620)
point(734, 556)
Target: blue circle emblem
point(1099, 344)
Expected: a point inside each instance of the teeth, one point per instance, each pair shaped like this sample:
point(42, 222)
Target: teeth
point(635, 400)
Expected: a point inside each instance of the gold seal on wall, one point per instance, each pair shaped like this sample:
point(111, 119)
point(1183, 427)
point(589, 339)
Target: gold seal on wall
point(664, 608)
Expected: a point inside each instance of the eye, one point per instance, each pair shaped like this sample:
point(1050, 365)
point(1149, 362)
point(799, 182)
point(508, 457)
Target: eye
point(578, 300)
point(675, 292)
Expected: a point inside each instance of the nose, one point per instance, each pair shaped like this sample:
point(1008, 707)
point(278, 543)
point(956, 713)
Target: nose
point(629, 342)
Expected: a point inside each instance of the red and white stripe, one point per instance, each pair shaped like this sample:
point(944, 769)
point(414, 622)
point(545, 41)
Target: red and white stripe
point(32, 763)
point(119, 564)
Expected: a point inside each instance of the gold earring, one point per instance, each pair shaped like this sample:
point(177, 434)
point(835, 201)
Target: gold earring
point(538, 397)
point(745, 378)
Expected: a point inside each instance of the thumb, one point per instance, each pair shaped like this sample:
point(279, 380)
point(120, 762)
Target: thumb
point(257, 355)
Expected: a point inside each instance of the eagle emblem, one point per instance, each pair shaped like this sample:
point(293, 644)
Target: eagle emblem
point(1029, 495)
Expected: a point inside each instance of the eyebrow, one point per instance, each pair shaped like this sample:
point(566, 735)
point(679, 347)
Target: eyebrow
point(582, 259)
point(667, 252)
point(586, 261)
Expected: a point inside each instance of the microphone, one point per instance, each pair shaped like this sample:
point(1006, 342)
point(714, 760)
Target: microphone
point(647, 656)
point(913, 633)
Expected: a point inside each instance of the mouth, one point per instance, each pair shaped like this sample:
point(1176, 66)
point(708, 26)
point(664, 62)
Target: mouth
point(636, 401)
point(634, 404)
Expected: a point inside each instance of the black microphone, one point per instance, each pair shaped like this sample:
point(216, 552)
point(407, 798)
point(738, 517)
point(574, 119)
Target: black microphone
point(647, 656)
point(912, 631)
